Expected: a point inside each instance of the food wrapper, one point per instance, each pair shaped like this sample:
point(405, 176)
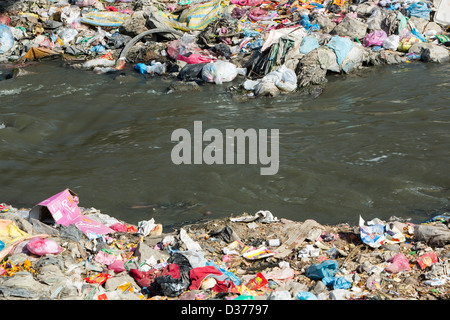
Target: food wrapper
point(98, 278)
point(259, 253)
point(257, 282)
point(427, 259)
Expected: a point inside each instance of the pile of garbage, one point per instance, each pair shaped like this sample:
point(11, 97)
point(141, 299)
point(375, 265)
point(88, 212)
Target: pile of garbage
point(58, 250)
point(273, 46)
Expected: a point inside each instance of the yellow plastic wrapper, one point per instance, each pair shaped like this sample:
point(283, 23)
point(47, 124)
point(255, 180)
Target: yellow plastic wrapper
point(406, 43)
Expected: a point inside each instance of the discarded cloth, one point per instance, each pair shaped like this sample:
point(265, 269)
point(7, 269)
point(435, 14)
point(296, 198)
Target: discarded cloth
point(200, 274)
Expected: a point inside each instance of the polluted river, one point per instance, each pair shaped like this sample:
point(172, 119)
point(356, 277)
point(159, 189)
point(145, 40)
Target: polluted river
point(373, 143)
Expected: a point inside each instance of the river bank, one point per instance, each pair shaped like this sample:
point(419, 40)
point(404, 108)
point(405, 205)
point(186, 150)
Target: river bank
point(247, 257)
point(273, 47)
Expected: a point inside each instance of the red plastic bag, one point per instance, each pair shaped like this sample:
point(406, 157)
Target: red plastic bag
point(119, 227)
point(42, 247)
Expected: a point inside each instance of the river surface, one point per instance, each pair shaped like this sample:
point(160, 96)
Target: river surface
point(374, 143)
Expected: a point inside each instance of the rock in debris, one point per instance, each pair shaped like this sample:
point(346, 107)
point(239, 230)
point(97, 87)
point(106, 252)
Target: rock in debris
point(350, 27)
point(435, 53)
point(433, 235)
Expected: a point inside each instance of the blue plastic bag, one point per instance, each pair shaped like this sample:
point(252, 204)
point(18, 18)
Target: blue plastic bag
point(418, 35)
point(318, 271)
point(306, 23)
point(419, 10)
point(6, 38)
point(141, 67)
point(305, 295)
point(308, 44)
point(337, 282)
point(98, 48)
point(341, 47)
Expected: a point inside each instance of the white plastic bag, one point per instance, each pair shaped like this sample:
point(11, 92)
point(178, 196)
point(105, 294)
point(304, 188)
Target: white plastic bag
point(221, 71)
point(68, 35)
point(284, 78)
point(156, 67)
point(70, 14)
point(98, 62)
point(391, 42)
point(250, 84)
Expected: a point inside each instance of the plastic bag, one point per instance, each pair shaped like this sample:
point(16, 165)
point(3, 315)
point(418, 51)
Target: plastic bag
point(406, 43)
point(318, 271)
point(375, 38)
point(194, 58)
point(418, 35)
point(341, 47)
point(337, 282)
point(306, 23)
point(40, 247)
point(419, 10)
point(98, 62)
point(308, 44)
point(398, 263)
point(70, 15)
point(6, 38)
point(221, 71)
point(117, 266)
point(284, 78)
point(67, 35)
point(305, 295)
point(391, 42)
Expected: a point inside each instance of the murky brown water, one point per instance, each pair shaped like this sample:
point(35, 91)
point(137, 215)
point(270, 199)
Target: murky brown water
point(374, 144)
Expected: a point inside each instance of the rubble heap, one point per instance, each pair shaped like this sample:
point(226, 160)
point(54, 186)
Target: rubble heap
point(273, 46)
point(247, 257)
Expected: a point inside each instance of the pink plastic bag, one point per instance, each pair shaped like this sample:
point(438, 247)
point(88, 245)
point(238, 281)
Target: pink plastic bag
point(375, 38)
point(105, 258)
point(398, 263)
point(194, 59)
point(117, 266)
point(40, 247)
